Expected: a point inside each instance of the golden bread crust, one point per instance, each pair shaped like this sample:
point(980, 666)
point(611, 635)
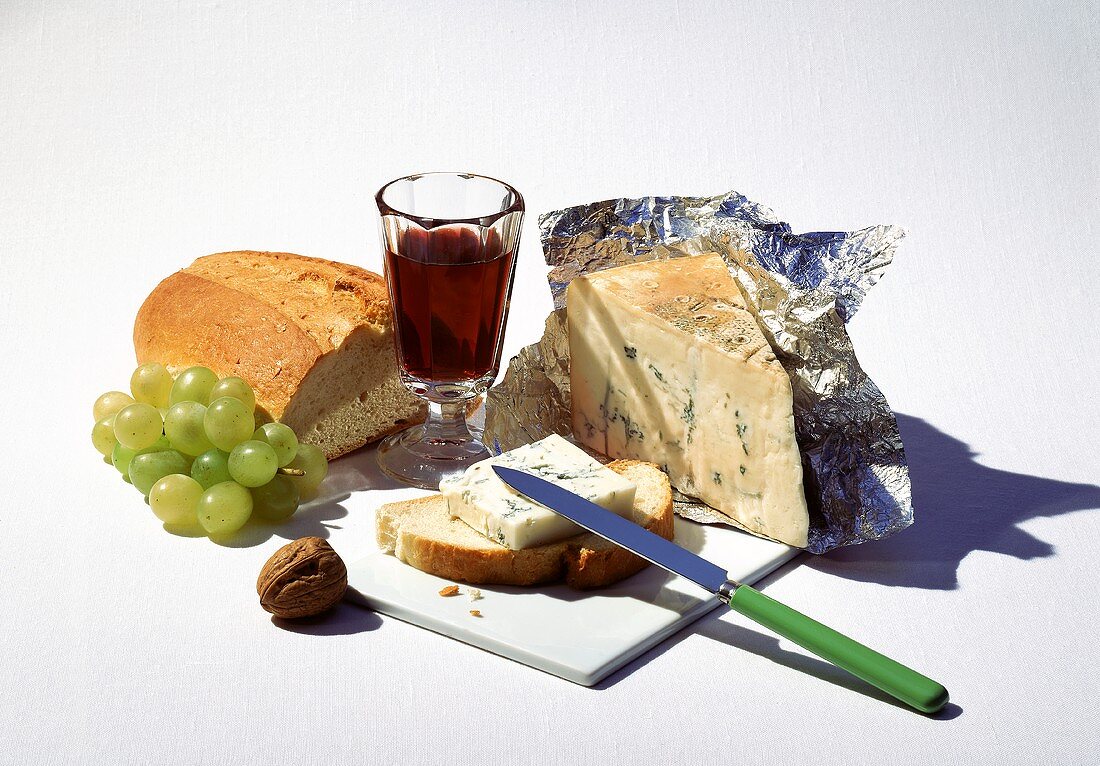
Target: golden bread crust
point(312, 337)
point(189, 320)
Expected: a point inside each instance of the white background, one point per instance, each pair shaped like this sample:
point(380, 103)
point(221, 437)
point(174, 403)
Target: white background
point(134, 139)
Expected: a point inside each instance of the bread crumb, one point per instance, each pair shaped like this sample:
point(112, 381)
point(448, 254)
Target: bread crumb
point(475, 612)
point(450, 590)
point(473, 593)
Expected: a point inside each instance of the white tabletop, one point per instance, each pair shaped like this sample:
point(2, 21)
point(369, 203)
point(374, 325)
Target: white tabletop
point(134, 140)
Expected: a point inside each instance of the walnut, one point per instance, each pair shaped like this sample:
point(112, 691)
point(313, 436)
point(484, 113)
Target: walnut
point(303, 578)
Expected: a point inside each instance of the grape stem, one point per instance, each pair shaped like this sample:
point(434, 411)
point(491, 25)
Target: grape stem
point(292, 472)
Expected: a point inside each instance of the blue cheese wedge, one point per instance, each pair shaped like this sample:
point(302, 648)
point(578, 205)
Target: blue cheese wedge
point(668, 365)
point(494, 509)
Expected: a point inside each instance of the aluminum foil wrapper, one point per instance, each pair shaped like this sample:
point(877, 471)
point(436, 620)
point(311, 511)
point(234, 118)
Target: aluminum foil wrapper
point(802, 288)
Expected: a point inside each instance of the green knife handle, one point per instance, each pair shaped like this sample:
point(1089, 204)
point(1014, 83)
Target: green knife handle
point(892, 677)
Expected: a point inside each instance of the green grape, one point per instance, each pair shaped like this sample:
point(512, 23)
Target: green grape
point(121, 456)
point(151, 384)
point(210, 468)
point(193, 385)
point(281, 438)
point(237, 388)
point(224, 508)
point(103, 435)
point(175, 499)
point(311, 460)
point(228, 423)
point(138, 426)
point(275, 501)
point(149, 468)
point(253, 463)
point(183, 425)
point(110, 403)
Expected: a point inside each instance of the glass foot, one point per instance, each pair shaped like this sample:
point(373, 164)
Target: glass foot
point(425, 454)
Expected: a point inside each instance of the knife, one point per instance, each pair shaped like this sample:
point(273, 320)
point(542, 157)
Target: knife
point(909, 686)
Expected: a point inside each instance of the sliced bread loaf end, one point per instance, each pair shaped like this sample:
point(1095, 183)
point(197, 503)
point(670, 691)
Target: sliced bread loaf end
point(312, 337)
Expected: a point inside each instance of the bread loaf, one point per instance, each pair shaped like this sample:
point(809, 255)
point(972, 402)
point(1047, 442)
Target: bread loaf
point(422, 533)
point(312, 337)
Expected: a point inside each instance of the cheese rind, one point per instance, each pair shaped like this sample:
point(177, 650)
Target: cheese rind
point(494, 509)
point(668, 365)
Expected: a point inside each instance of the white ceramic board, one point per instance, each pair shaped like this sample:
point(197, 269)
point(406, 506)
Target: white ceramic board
point(580, 636)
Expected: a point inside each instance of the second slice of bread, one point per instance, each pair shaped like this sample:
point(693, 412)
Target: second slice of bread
point(422, 533)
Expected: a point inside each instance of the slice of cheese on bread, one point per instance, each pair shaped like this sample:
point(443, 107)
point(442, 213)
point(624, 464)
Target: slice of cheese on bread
point(505, 516)
point(422, 533)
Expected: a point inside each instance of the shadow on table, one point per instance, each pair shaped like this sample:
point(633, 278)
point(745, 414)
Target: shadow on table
point(961, 506)
point(313, 519)
point(345, 619)
point(358, 471)
point(351, 473)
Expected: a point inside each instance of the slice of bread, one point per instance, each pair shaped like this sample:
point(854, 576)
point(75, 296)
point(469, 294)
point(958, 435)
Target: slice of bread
point(312, 337)
point(422, 533)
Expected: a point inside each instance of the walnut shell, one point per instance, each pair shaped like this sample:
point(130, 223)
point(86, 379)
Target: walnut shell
point(303, 578)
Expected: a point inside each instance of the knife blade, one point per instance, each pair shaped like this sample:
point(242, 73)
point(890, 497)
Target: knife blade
point(904, 683)
point(634, 537)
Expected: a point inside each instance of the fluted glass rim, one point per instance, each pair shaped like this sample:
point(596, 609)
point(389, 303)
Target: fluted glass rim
point(428, 222)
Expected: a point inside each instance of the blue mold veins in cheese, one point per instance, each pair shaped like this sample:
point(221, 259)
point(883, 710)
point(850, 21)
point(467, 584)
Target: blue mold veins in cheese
point(494, 509)
point(668, 365)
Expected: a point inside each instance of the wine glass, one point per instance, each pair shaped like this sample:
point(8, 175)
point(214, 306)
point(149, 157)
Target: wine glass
point(450, 242)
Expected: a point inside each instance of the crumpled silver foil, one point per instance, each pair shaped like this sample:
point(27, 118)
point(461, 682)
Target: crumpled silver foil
point(802, 288)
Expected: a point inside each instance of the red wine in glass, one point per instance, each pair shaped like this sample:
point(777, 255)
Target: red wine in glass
point(450, 289)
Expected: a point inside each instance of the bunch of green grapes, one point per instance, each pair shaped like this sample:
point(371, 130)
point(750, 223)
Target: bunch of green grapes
point(191, 445)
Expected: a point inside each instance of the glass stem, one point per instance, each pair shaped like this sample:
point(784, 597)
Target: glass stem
point(447, 422)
